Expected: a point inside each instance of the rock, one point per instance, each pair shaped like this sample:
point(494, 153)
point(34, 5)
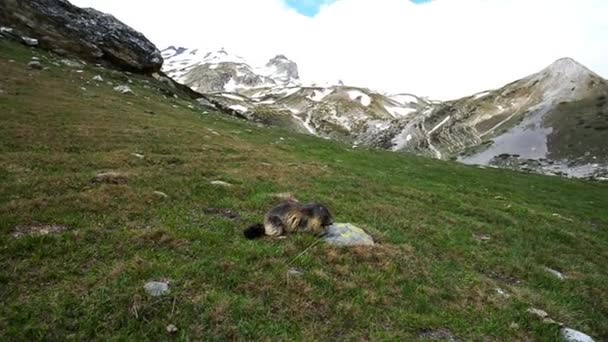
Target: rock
point(538, 312)
point(482, 237)
point(98, 78)
point(124, 89)
point(35, 65)
point(38, 230)
point(137, 155)
point(164, 80)
point(571, 335)
point(551, 321)
point(502, 292)
point(513, 326)
point(557, 274)
point(72, 64)
point(171, 329)
point(294, 272)
point(157, 288)
point(346, 234)
point(35, 58)
point(221, 183)
point(30, 41)
point(161, 194)
point(110, 177)
point(60, 52)
point(83, 31)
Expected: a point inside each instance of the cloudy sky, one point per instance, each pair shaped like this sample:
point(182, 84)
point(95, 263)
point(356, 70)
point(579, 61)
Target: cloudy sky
point(439, 48)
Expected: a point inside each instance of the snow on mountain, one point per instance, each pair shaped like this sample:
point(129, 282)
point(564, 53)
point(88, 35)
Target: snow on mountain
point(554, 121)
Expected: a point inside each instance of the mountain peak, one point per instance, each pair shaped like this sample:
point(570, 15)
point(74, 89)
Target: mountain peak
point(568, 67)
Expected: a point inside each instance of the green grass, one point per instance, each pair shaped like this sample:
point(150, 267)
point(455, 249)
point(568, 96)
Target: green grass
point(427, 273)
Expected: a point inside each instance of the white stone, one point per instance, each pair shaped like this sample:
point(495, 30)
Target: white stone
point(98, 78)
point(571, 335)
point(30, 41)
point(156, 288)
point(124, 89)
point(221, 183)
point(557, 274)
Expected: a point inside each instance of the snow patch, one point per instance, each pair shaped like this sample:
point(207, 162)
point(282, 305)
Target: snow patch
point(239, 108)
point(365, 99)
point(233, 97)
point(401, 140)
point(399, 111)
point(404, 99)
point(480, 95)
point(319, 95)
point(440, 124)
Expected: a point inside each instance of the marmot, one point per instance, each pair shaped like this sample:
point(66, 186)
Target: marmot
point(290, 217)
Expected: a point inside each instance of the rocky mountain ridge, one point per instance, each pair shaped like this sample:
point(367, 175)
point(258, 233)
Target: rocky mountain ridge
point(520, 126)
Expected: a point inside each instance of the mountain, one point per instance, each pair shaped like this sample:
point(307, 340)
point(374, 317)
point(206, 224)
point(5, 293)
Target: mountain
point(554, 121)
point(218, 71)
point(274, 95)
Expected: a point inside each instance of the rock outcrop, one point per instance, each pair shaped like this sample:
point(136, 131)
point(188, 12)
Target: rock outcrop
point(92, 35)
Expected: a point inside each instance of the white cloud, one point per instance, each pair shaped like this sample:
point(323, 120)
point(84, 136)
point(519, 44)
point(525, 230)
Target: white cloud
point(443, 49)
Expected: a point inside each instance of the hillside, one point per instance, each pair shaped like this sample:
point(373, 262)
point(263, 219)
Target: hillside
point(463, 252)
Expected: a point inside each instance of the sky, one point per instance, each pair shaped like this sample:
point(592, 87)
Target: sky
point(441, 49)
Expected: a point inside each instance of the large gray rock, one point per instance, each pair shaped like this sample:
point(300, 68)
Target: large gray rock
point(93, 35)
point(571, 335)
point(346, 234)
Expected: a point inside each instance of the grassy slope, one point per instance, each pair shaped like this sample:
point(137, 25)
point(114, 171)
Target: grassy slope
point(428, 272)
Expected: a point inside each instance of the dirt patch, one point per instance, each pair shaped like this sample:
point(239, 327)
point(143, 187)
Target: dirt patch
point(38, 230)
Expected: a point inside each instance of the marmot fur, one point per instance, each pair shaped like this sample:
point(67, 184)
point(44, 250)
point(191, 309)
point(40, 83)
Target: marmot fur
point(290, 217)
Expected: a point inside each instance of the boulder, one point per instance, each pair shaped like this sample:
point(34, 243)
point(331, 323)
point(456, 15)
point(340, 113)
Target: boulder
point(346, 234)
point(88, 33)
point(571, 335)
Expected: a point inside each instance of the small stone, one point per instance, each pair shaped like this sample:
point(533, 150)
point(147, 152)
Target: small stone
point(98, 78)
point(30, 41)
point(482, 237)
point(571, 335)
point(502, 292)
point(60, 52)
point(171, 329)
point(110, 177)
point(124, 89)
point(215, 133)
point(156, 288)
point(538, 312)
point(514, 326)
point(72, 64)
point(161, 194)
point(551, 321)
point(221, 183)
point(35, 58)
point(138, 155)
point(557, 274)
point(295, 272)
point(35, 65)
